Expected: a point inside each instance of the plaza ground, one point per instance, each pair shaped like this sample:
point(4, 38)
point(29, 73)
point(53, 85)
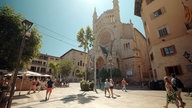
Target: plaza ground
point(73, 97)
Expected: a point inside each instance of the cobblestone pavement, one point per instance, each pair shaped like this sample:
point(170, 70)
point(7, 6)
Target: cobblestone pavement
point(72, 97)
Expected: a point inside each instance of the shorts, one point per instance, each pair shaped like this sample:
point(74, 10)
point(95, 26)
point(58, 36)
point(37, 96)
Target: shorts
point(111, 87)
point(49, 90)
point(178, 92)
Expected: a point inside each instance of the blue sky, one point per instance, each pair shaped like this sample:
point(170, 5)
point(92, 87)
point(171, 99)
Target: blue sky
point(59, 21)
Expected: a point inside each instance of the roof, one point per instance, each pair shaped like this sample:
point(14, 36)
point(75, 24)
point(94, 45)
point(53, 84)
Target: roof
point(72, 50)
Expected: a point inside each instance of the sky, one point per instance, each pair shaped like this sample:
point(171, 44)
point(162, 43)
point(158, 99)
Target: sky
point(59, 21)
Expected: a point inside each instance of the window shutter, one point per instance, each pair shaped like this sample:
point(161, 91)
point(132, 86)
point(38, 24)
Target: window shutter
point(162, 52)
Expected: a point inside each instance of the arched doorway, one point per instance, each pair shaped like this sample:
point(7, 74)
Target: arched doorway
point(100, 63)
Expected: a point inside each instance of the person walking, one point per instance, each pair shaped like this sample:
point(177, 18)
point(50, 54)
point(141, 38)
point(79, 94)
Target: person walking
point(38, 85)
point(106, 87)
point(171, 96)
point(111, 85)
point(178, 85)
point(49, 88)
point(32, 86)
point(124, 83)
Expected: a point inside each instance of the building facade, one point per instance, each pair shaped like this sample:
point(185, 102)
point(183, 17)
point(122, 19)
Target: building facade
point(79, 59)
point(168, 29)
point(41, 63)
point(119, 45)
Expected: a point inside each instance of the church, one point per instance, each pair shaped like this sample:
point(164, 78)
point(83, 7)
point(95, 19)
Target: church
point(118, 46)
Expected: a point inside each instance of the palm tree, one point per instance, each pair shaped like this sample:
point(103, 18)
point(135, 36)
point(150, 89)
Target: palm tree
point(55, 67)
point(86, 41)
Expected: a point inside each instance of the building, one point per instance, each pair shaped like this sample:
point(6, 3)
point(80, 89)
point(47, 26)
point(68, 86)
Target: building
point(119, 45)
point(168, 29)
point(79, 59)
point(41, 63)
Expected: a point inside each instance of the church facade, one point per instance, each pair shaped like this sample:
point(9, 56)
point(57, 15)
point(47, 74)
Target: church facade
point(119, 46)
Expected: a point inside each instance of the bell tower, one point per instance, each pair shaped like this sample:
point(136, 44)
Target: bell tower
point(116, 10)
point(94, 16)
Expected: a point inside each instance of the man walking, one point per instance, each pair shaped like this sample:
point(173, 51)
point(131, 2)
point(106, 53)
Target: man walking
point(178, 85)
point(49, 88)
point(124, 83)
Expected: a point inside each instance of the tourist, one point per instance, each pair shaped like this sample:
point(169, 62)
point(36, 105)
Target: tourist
point(124, 83)
point(111, 84)
point(171, 94)
point(106, 87)
point(38, 85)
point(32, 86)
point(178, 85)
point(49, 88)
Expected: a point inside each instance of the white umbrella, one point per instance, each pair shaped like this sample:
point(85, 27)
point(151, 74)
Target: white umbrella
point(46, 75)
point(29, 73)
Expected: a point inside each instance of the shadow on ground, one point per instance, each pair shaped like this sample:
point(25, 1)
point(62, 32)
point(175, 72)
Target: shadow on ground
point(20, 96)
point(81, 98)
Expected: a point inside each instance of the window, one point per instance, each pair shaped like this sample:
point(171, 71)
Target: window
point(157, 13)
point(163, 32)
point(126, 45)
point(173, 70)
point(167, 51)
point(43, 70)
point(81, 63)
point(151, 56)
point(149, 1)
point(33, 68)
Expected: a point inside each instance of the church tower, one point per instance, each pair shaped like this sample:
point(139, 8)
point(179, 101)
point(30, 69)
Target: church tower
point(116, 10)
point(94, 16)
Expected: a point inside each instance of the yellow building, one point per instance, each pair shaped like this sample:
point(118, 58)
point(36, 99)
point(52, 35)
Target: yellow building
point(79, 59)
point(168, 28)
point(40, 63)
point(119, 46)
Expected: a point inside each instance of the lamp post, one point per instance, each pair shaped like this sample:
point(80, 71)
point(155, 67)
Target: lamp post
point(27, 25)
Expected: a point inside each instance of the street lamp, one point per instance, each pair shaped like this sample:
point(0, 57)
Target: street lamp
point(27, 25)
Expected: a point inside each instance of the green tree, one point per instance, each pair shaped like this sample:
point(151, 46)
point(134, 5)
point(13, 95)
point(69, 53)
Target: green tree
point(116, 73)
point(55, 67)
point(11, 34)
point(65, 67)
point(86, 39)
point(103, 74)
point(80, 74)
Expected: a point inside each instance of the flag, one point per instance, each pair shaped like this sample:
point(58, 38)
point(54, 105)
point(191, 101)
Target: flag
point(188, 14)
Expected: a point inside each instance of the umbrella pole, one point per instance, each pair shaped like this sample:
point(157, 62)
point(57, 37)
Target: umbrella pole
point(21, 85)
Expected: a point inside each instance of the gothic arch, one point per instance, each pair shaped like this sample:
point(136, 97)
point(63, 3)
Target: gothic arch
point(105, 38)
point(100, 63)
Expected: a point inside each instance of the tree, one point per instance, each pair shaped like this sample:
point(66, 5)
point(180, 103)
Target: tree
point(55, 67)
point(86, 40)
point(65, 67)
point(103, 74)
point(11, 35)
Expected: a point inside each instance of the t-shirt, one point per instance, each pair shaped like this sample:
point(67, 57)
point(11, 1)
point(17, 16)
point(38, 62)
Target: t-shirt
point(177, 83)
point(49, 84)
point(106, 84)
point(123, 82)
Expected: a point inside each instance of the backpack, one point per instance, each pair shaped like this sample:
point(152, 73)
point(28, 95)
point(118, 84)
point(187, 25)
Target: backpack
point(178, 84)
